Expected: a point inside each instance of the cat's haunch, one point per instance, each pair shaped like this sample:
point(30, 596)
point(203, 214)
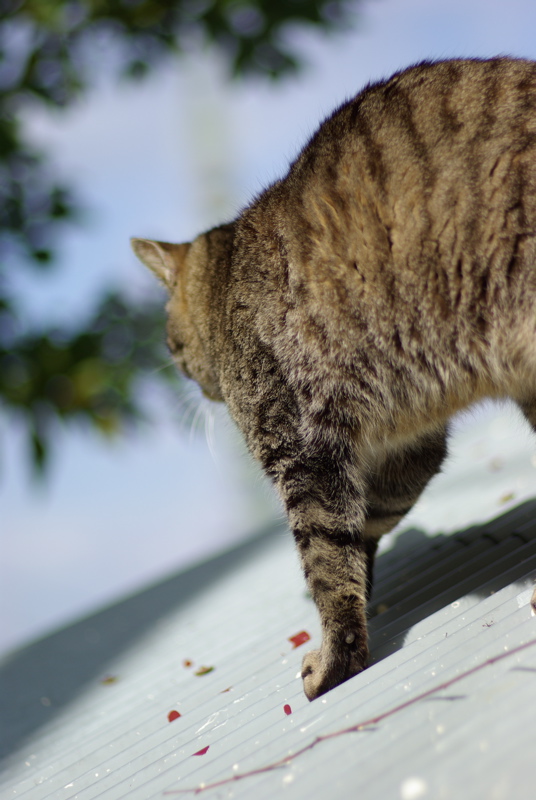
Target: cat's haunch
point(386, 282)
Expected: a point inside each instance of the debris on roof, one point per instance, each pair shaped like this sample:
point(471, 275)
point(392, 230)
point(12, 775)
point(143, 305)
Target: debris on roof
point(192, 687)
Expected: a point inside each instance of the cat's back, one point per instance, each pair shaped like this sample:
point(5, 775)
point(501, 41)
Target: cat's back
point(427, 121)
point(407, 225)
point(419, 191)
point(424, 141)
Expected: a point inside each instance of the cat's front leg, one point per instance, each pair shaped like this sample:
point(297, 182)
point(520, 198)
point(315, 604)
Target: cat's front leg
point(309, 451)
point(326, 509)
point(335, 567)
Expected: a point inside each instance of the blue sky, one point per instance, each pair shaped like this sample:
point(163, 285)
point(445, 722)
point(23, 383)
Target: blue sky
point(168, 158)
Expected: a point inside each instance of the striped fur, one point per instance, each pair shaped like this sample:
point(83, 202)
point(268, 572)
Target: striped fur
point(385, 283)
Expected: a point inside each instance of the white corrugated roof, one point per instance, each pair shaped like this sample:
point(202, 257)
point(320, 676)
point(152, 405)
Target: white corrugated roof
point(445, 711)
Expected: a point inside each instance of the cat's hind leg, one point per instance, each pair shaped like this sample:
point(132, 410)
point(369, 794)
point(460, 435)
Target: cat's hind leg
point(528, 407)
point(395, 483)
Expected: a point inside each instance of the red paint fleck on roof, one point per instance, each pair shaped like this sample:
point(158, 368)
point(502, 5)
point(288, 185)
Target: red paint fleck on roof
point(202, 751)
point(299, 638)
point(287, 709)
point(173, 715)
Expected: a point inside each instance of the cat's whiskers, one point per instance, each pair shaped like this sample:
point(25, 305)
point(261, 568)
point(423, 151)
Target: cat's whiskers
point(199, 413)
point(187, 404)
point(167, 363)
point(209, 435)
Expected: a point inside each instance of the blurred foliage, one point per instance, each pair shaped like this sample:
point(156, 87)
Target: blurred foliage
point(87, 375)
point(91, 372)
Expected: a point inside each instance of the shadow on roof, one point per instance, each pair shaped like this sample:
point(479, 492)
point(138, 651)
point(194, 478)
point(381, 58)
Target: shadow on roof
point(421, 575)
point(53, 670)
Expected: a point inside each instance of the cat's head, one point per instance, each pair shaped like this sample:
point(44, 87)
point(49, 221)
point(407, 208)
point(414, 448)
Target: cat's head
point(188, 271)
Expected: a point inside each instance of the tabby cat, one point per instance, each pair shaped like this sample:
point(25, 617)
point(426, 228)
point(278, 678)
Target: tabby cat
point(386, 282)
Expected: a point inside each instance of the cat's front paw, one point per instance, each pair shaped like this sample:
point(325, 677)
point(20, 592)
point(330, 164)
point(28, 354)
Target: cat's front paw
point(313, 675)
point(320, 674)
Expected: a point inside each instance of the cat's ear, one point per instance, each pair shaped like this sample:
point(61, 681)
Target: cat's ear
point(162, 258)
